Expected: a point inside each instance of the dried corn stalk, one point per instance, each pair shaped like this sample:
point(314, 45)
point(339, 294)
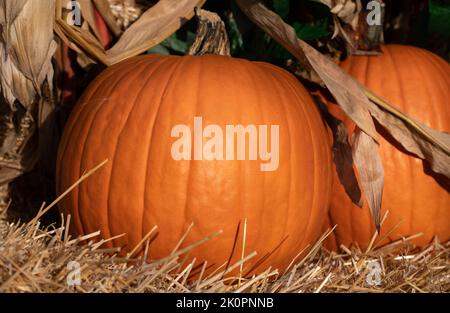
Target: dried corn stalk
point(152, 27)
point(26, 81)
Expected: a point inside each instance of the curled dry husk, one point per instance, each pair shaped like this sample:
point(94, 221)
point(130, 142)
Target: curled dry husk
point(26, 75)
point(152, 27)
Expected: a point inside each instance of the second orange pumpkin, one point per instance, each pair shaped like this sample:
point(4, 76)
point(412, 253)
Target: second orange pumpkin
point(418, 83)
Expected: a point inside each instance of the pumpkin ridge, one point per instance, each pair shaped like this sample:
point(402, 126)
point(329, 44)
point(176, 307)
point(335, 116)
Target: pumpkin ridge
point(72, 121)
point(78, 132)
point(275, 81)
point(174, 69)
point(187, 206)
point(107, 229)
point(433, 61)
point(411, 159)
point(276, 85)
point(64, 142)
point(430, 95)
point(307, 115)
point(249, 69)
point(314, 149)
point(144, 69)
point(112, 87)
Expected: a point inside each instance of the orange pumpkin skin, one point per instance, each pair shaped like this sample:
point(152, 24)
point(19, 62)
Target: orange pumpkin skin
point(418, 83)
point(126, 116)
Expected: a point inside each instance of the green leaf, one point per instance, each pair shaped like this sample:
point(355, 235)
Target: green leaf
point(236, 40)
point(312, 31)
point(439, 18)
point(159, 49)
point(176, 44)
point(282, 7)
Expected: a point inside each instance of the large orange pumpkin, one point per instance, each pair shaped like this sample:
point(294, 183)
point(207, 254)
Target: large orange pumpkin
point(127, 115)
point(418, 83)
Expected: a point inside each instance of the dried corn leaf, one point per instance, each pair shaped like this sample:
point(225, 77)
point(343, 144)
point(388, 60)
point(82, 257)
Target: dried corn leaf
point(342, 155)
point(29, 46)
point(87, 7)
point(371, 172)
point(346, 91)
point(26, 51)
point(14, 84)
point(9, 10)
point(155, 25)
point(425, 142)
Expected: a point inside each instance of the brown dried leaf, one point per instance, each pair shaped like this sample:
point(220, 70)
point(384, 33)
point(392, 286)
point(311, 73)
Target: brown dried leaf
point(87, 10)
point(370, 170)
point(14, 84)
point(26, 52)
point(80, 39)
point(155, 25)
point(423, 141)
point(9, 10)
point(342, 155)
point(31, 47)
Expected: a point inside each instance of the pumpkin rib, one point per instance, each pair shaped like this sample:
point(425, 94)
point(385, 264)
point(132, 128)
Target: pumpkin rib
point(71, 122)
point(87, 117)
point(108, 230)
point(316, 160)
point(307, 117)
point(273, 81)
point(291, 144)
point(143, 231)
point(94, 121)
point(403, 102)
point(430, 95)
point(247, 71)
point(310, 219)
point(144, 69)
point(173, 71)
point(249, 68)
point(432, 61)
point(189, 174)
